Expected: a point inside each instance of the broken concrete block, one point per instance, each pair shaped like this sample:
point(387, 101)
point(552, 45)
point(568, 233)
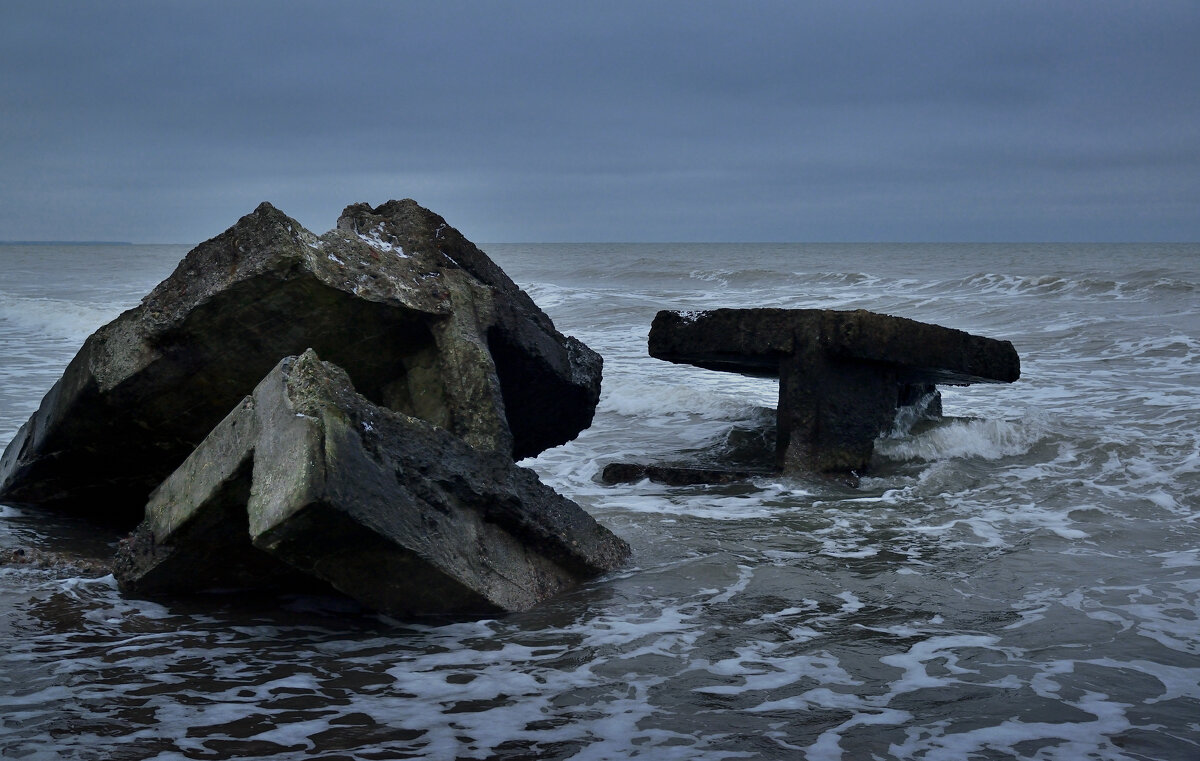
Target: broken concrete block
point(418, 316)
point(842, 374)
point(306, 475)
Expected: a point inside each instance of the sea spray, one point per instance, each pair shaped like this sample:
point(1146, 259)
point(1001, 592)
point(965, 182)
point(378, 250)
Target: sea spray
point(957, 438)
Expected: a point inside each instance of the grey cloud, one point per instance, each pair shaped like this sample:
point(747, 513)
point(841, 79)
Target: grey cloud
point(610, 121)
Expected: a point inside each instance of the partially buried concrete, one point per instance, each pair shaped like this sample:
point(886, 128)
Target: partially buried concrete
point(624, 473)
point(422, 320)
point(842, 374)
point(306, 476)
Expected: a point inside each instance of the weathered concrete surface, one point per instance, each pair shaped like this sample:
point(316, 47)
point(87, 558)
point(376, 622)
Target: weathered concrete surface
point(306, 475)
point(672, 475)
point(418, 316)
point(842, 374)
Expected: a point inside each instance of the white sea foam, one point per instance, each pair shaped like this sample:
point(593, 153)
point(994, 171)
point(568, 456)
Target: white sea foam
point(989, 439)
point(1036, 564)
point(648, 498)
point(1059, 741)
point(1180, 558)
point(719, 277)
point(1043, 286)
point(53, 318)
point(634, 399)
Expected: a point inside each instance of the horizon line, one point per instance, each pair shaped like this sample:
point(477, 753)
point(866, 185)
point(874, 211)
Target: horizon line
point(661, 242)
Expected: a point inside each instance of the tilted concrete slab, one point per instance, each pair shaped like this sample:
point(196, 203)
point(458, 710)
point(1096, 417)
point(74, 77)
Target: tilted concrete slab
point(397, 513)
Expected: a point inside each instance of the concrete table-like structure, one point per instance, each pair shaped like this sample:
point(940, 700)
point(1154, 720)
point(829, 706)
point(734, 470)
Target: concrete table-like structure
point(842, 374)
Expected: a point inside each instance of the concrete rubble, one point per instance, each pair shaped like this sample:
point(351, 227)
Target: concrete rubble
point(842, 374)
point(421, 319)
point(205, 413)
point(307, 476)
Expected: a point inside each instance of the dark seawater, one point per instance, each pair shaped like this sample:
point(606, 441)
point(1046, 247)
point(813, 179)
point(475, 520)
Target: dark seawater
point(1020, 580)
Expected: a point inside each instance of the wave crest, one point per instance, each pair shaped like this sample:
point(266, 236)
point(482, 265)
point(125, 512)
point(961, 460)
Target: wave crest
point(962, 438)
point(54, 318)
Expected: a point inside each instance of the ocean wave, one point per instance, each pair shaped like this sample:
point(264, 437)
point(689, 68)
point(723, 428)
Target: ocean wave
point(1025, 558)
point(1173, 351)
point(1139, 286)
point(636, 398)
point(54, 318)
point(550, 296)
point(736, 278)
point(842, 278)
point(955, 439)
point(758, 279)
point(720, 277)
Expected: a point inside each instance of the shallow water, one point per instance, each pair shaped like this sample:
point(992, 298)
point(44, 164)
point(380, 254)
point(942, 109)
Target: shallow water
point(1021, 580)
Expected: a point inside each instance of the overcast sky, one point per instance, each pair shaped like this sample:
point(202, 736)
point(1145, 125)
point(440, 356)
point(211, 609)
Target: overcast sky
point(165, 121)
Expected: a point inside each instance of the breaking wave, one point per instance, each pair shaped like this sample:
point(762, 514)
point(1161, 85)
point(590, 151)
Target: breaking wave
point(988, 439)
point(1136, 288)
point(53, 318)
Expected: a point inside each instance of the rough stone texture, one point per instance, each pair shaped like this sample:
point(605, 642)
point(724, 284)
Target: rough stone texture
point(842, 374)
point(60, 564)
point(418, 316)
point(672, 475)
point(406, 517)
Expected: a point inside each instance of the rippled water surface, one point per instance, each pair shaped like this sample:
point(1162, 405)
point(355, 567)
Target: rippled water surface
point(1018, 580)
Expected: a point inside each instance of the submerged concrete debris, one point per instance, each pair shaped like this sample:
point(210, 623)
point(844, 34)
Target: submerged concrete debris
point(307, 476)
point(842, 374)
point(422, 320)
point(672, 475)
point(406, 498)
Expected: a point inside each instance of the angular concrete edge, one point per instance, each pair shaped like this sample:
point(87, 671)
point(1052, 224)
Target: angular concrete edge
point(195, 535)
point(419, 316)
point(755, 341)
point(842, 374)
point(389, 509)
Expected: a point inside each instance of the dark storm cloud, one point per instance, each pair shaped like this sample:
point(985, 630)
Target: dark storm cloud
point(616, 121)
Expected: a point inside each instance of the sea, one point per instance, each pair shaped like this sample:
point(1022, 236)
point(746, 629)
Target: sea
point(1019, 579)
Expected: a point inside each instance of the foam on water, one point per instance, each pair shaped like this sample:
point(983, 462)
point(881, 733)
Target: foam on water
point(989, 439)
point(52, 318)
point(643, 399)
point(1020, 580)
point(38, 337)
